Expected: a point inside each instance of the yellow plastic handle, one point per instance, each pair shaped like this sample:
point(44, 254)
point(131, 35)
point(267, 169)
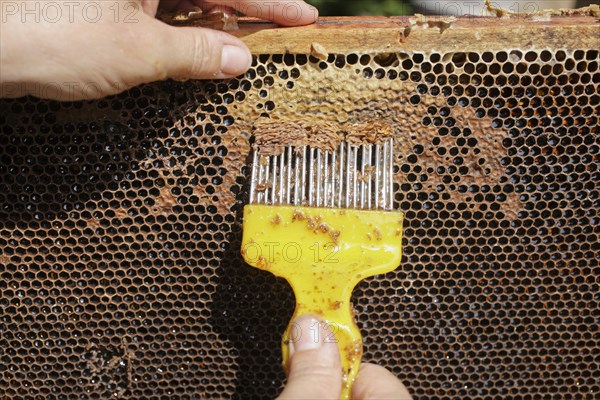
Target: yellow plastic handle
point(339, 316)
point(323, 253)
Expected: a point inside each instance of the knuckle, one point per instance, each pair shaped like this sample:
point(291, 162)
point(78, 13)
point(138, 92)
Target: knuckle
point(205, 60)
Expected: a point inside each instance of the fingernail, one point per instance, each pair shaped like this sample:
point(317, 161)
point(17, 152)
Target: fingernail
point(235, 60)
point(305, 334)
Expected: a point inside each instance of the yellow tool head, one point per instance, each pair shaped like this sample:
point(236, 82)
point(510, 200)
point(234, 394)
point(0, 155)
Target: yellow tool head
point(286, 240)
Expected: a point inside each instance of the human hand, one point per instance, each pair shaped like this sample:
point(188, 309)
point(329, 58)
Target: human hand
point(315, 370)
point(86, 49)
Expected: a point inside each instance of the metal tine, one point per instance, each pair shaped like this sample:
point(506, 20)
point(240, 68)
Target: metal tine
point(348, 172)
point(281, 175)
point(370, 179)
point(311, 172)
point(260, 193)
point(332, 178)
point(274, 181)
point(355, 177)
point(289, 175)
point(267, 176)
point(253, 177)
point(319, 178)
point(325, 179)
point(303, 176)
point(361, 184)
point(369, 186)
point(340, 187)
point(385, 177)
point(377, 173)
point(391, 175)
point(297, 182)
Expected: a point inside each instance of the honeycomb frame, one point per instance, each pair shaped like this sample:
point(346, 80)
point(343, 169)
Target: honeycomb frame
point(120, 272)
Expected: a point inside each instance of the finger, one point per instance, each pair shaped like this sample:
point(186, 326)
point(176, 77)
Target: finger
point(189, 5)
point(220, 9)
point(286, 13)
point(374, 382)
point(197, 53)
point(315, 370)
point(150, 7)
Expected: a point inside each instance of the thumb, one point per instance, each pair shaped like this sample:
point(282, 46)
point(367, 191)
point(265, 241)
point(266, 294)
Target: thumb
point(200, 53)
point(315, 369)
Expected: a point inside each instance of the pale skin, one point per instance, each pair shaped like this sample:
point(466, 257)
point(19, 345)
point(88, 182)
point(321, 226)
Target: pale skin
point(86, 49)
point(75, 52)
point(315, 370)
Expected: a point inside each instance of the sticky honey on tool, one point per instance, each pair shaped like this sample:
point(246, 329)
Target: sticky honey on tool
point(323, 220)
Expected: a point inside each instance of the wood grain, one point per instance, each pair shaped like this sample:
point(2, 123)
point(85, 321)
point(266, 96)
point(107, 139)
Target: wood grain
point(393, 34)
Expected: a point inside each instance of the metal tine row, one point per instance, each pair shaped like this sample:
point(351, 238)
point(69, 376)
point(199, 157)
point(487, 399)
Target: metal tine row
point(350, 177)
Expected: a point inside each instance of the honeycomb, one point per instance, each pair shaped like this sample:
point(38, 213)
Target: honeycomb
point(120, 229)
